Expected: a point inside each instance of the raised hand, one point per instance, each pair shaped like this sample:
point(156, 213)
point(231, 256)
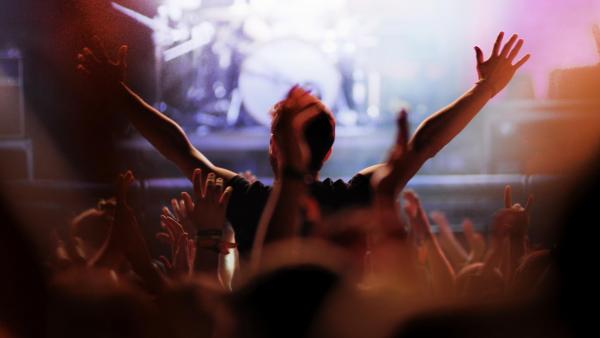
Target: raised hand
point(430, 251)
point(212, 198)
point(387, 180)
point(179, 212)
point(456, 252)
point(497, 71)
point(296, 110)
point(475, 240)
point(513, 218)
point(183, 249)
point(509, 234)
point(207, 214)
point(126, 238)
point(126, 231)
point(97, 64)
point(420, 226)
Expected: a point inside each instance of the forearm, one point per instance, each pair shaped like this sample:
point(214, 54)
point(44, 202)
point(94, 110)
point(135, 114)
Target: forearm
point(454, 251)
point(163, 133)
point(285, 220)
point(207, 263)
point(441, 269)
point(280, 217)
point(517, 251)
point(440, 128)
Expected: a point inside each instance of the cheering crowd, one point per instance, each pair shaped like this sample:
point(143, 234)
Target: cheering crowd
point(305, 257)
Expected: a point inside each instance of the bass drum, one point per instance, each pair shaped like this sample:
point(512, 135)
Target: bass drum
point(270, 71)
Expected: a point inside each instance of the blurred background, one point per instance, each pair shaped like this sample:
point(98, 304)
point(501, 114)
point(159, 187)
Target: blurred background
point(216, 67)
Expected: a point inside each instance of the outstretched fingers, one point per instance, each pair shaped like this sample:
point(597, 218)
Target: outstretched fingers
point(509, 45)
point(219, 186)
point(210, 188)
point(402, 138)
point(188, 202)
point(497, 44)
point(166, 212)
point(225, 197)
point(197, 183)
point(175, 207)
point(479, 55)
point(167, 226)
point(513, 54)
point(440, 219)
point(469, 232)
point(522, 61)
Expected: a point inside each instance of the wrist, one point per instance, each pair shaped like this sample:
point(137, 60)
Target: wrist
point(487, 87)
point(212, 240)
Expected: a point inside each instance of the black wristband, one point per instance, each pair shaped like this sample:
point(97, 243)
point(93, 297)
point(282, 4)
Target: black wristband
point(210, 233)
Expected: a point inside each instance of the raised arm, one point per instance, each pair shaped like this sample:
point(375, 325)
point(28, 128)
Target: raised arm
point(280, 219)
point(126, 239)
point(161, 131)
point(441, 270)
point(440, 128)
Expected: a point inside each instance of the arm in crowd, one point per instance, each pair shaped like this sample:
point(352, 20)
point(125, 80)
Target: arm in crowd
point(457, 255)
point(516, 218)
point(161, 131)
point(440, 128)
point(281, 217)
point(442, 273)
point(126, 239)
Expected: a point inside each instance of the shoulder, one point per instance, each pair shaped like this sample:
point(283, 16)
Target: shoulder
point(357, 181)
point(242, 185)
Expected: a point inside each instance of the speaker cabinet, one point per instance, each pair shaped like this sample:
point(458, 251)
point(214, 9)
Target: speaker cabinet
point(541, 138)
point(12, 124)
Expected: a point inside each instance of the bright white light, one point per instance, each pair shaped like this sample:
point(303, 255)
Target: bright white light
point(184, 4)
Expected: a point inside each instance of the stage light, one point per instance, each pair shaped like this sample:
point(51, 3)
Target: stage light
point(184, 4)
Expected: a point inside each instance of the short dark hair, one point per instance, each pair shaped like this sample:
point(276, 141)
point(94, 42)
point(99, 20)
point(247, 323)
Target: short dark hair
point(319, 134)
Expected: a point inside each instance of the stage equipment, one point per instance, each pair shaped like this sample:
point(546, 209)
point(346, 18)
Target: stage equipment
point(582, 83)
point(224, 64)
point(551, 137)
point(12, 124)
point(270, 71)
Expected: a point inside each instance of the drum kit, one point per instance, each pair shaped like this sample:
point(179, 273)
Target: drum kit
point(224, 65)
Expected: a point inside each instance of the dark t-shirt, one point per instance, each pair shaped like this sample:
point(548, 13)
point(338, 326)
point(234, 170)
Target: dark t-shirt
point(248, 201)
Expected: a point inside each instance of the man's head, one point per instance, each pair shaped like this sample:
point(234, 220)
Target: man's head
point(319, 134)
